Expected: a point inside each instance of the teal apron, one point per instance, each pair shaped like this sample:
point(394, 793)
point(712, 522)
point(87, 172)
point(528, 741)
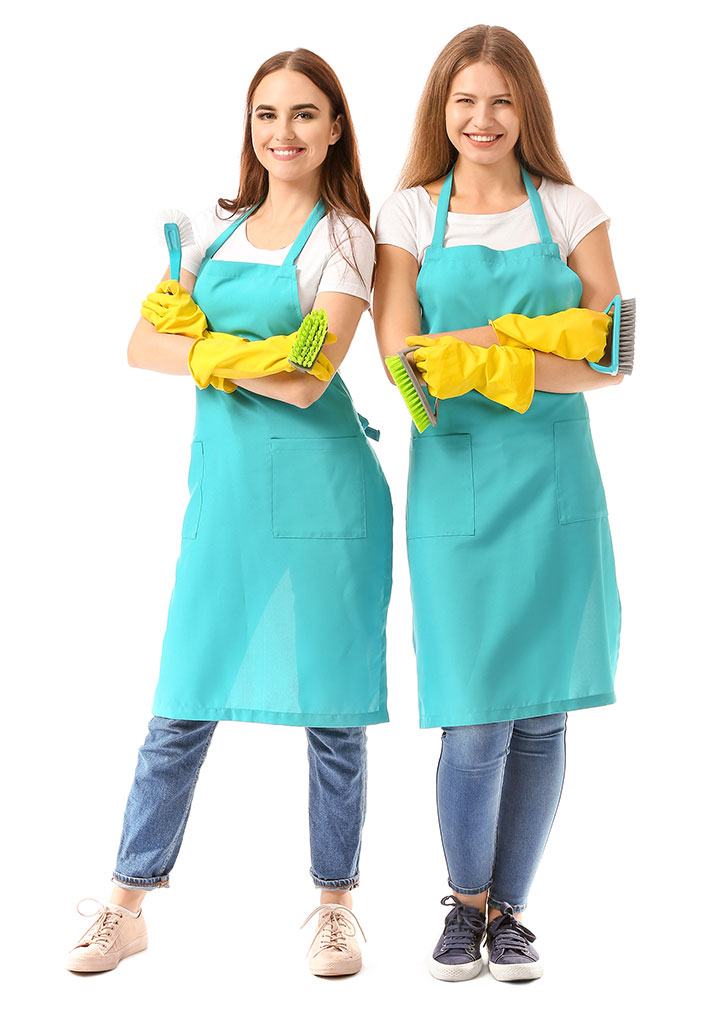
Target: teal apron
point(283, 582)
point(515, 606)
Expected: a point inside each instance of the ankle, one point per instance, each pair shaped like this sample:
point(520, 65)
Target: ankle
point(494, 913)
point(478, 902)
point(128, 898)
point(341, 897)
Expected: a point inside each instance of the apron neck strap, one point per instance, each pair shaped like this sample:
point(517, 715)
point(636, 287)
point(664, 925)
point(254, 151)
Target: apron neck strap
point(442, 211)
point(224, 236)
point(537, 207)
point(444, 203)
point(314, 217)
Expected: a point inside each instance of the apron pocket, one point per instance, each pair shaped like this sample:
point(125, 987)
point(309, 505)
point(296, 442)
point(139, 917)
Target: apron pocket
point(580, 494)
point(318, 487)
point(441, 491)
point(195, 476)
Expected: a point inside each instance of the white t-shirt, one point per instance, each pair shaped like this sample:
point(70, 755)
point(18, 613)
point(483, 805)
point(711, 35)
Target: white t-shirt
point(320, 265)
point(407, 219)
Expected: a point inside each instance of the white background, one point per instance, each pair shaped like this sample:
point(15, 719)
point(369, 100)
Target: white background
point(114, 112)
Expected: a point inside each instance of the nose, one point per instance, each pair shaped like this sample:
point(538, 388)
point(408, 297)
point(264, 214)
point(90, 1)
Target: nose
point(285, 130)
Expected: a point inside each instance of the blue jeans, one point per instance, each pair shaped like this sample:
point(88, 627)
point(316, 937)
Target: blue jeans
point(168, 767)
point(498, 789)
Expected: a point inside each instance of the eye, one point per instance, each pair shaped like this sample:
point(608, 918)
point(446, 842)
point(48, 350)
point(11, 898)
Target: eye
point(505, 101)
point(307, 115)
point(265, 115)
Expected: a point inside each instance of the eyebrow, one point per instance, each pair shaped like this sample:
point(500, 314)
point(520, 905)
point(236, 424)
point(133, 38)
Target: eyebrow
point(293, 108)
point(469, 94)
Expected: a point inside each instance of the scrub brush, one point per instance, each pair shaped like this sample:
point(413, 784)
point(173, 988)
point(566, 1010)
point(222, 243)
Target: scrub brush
point(406, 380)
point(309, 342)
point(622, 335)
point(175, 231)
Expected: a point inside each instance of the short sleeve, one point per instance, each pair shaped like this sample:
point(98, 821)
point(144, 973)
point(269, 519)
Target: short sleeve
point(397, 225)
point(582, 214)
point(349, 267)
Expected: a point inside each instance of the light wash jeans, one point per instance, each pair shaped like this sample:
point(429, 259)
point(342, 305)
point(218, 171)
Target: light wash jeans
point(168, 767)
point(498, 789)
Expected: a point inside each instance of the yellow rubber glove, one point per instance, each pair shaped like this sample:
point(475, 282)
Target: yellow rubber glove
point(451, 368)
point(222, 356)
point(171, 309)
point(573, 334)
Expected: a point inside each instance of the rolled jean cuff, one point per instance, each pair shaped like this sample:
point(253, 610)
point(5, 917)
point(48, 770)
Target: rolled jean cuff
point(498, 904)
point(141, 884)
point(335, 884)
point(468, 891)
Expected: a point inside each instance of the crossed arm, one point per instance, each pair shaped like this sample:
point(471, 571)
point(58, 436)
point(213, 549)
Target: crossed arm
point(168, 353)
point(396, 311)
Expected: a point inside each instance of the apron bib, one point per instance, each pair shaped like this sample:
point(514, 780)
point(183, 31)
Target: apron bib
point(283, 582)
point(515, 606)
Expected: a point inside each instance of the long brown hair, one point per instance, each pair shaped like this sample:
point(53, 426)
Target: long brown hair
point(341, 185)
point(432, 155)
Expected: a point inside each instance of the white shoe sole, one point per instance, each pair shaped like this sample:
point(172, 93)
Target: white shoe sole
point(335, 967)
point(515, 971)
point(103, 963)
point(455, 973)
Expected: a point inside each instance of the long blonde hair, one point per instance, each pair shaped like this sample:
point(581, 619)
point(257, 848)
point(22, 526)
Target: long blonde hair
point(432, 155)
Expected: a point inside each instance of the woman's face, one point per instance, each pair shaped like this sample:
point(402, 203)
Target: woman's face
point(292, 125)
point(480, 116)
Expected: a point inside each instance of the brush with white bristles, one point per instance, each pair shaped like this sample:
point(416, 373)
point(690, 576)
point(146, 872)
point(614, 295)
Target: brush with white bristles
point(175, 231)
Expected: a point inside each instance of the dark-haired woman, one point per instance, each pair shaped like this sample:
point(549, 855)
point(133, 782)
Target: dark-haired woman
point(283, 581)
point(516, 609)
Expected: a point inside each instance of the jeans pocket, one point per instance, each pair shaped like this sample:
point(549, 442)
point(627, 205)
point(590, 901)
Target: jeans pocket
point(579, 488)
point(441, 490)
point(195, 479)
point(318, 487)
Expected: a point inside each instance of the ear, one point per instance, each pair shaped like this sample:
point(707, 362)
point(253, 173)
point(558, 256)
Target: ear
point(336, 130)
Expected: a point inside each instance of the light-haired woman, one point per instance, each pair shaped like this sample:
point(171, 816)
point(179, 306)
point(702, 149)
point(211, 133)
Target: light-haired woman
point(516, 609)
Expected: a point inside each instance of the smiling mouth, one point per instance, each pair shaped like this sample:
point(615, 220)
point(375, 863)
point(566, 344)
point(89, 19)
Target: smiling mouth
point(483, 138)
point(286, 152)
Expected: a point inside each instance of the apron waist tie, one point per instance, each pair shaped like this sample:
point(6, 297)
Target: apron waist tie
point(371, 433)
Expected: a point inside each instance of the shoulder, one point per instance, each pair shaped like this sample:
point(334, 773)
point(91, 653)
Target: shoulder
point(568, 200)
point(403, 210)
point(346, 228)
point(209, 223)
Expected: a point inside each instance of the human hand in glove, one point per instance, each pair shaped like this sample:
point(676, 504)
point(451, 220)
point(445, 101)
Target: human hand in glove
point(222, 357)
point(572, 334)
point(451, 368)
point(171, 309)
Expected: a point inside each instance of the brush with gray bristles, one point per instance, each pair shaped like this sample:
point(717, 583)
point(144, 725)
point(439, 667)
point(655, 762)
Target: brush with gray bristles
point(622, 335)
point(175, 232)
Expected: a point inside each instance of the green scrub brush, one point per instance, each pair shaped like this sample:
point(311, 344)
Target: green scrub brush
point(309, 342)
point(406, 379)
point(175, 232)
point(622, 335)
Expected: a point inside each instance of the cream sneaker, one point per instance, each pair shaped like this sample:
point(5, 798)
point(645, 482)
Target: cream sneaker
point(334, 951)
point(114, 934)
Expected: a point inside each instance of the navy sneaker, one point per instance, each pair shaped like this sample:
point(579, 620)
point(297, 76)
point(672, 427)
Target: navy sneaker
point(457, 954)
point(510, 954)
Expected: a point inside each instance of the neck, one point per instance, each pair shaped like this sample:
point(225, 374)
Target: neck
point(287, 201)
point(499, 178)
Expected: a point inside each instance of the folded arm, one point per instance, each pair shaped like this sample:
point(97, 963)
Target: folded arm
point(168, 353)
point(397, 311)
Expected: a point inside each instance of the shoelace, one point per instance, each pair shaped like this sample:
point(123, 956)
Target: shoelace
point(462, 926)
point(99, 932)
point(334, 927)
point(508, 934)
